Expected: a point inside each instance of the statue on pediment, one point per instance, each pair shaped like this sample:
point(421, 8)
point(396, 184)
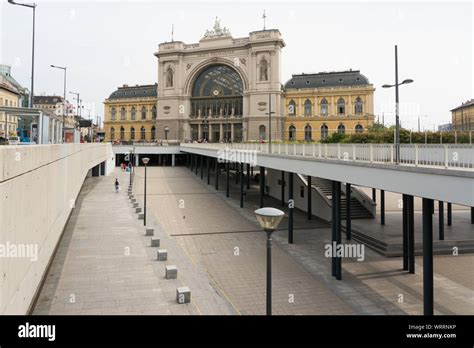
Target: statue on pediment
point(217, 31)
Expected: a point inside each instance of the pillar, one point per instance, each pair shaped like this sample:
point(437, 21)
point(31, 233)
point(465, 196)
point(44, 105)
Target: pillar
point(472, 215)
point(405, 232)
point(382, 207)
point(441, 219)
point(291, 205)
point(248, 176)
point(262, 185)
point(428, 300)
point(201, 160)
point(241, 185)
point(217, 174)
point(227, 187)
point(173, 158)
point(309, 198)
point(450, 215)
point(333, 226)
point(282, 188)
point(374, 195)
point(411, 234)
point(348, 212)
point(338, 230)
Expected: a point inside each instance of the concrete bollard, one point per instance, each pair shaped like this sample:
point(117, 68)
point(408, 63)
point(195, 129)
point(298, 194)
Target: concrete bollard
point(141, 216)
point(138, 210)
point(155, 242)
point(183, 294)
point(162, 255)
point(149, 232)
point(135, 205)
point(171, 272)
point(134, 200)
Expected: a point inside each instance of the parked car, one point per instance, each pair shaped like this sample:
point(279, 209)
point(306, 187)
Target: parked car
point(13, 140)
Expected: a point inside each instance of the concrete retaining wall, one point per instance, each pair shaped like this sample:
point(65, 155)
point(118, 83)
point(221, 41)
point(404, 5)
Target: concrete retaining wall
point(38, 188)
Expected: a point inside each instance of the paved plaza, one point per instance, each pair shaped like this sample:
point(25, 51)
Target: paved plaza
point(220, 251)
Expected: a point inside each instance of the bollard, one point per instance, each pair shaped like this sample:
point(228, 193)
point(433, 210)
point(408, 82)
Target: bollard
point(171, 272)
point(162, 255)
point(138, 210)
point(183, 295)
point(135, 205)
point(149, 232)
point(155, 242)
point(141, 216)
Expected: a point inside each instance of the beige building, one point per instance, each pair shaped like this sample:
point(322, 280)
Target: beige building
point(463, 116)
point(57, 106)
point(9, 96)
point(318, 105)
point(220, 87)
point(130, 114)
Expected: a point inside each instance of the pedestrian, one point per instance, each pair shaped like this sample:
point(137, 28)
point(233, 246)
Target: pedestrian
point(117, 185)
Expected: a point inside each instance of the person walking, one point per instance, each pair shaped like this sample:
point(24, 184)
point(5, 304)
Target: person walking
point(117, 185)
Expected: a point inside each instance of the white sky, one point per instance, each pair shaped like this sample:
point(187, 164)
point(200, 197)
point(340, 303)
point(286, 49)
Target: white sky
point(106, 44)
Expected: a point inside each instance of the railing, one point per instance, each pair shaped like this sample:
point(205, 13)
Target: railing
point(427, 155)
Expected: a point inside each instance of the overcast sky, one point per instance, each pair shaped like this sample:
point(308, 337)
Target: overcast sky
point(106, 44)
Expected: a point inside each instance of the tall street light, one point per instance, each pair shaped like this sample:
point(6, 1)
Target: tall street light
point(269, 113)
point(77, 104)
point(397, 118)
point(269, 218)
point(65, 72)
point(32, 6)
point(145, 161)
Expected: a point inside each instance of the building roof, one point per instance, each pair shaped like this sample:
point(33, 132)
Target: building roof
point(47, 99)
point(464, 105)
point(7, 85)
point(327, 79)
point(137, 91)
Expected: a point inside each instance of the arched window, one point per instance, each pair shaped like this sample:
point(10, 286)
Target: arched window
point(153, 133)
point(359, 128)
point(292, 108)
point(324, 107)
point(113, 113)
point(122, 133)
point(308, 133)
point(143, 112)
point(262, 133)
point(358, 106)
point(341, 129)
point(341, 106)
point(112, 134)
point(132, 133)
point(292, 133)
point(307, 107)
point(122, 113)
point(153, 112)
point(324, 132)
point(263, 70)
point(142, 133)
point(133, 113)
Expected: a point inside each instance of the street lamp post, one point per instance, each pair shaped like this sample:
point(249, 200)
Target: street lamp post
point(32, 6)
point(269, 218)
point(145, 161)
point(77, 104)
point(64, 94)
point(397, 118)
point(269, 123)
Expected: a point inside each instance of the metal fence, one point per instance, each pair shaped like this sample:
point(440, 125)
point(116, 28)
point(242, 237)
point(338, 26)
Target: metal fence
point(429, 155)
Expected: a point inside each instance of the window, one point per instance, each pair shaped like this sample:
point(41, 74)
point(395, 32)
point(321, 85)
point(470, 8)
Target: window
point(359, 128)
point(308, 133)
point(133, 113)
point(341, 129)
point(358, 106)
point(122, 133)
point(142, 133)
point(132, 133)
point(307, 107)
point(122, 113)
point(143, 112)
point(341, 106)
point(262, 133)
point(324, 132)
point(324, 107)
point(153, 133)
point(113, 114)
point(292, 108)
point(153, 112)
point(112, 134)
point(292, 133)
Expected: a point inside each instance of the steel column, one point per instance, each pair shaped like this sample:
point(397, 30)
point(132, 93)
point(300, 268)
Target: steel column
point(450, 215)
point(208, 165)
point(382, 207)
point(282, 188)
point(248, 176)
point(348, 212)
point(333, 227)
point(411, 234)
point(309, 198)
point(428, 300)
point(262, 185)
point(338, 230)
point(227, 184)
point(217, 174)
point(291, 205)
point(405, 231)
point(441, 219)
point(241, 185)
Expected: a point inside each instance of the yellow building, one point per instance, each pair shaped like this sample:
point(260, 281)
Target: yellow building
point(463, 116)
point(318, 105)
point(130, 114)
point(9, 96)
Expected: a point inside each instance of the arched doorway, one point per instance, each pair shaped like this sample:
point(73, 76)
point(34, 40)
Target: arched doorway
point(216, 103)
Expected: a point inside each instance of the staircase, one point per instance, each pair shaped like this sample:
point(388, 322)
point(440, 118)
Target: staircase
point(358, 211)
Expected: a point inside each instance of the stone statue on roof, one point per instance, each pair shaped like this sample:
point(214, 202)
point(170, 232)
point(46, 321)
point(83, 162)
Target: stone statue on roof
point(217, 31)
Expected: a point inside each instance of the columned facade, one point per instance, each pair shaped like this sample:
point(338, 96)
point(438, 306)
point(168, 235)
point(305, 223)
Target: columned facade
point(219, 89)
